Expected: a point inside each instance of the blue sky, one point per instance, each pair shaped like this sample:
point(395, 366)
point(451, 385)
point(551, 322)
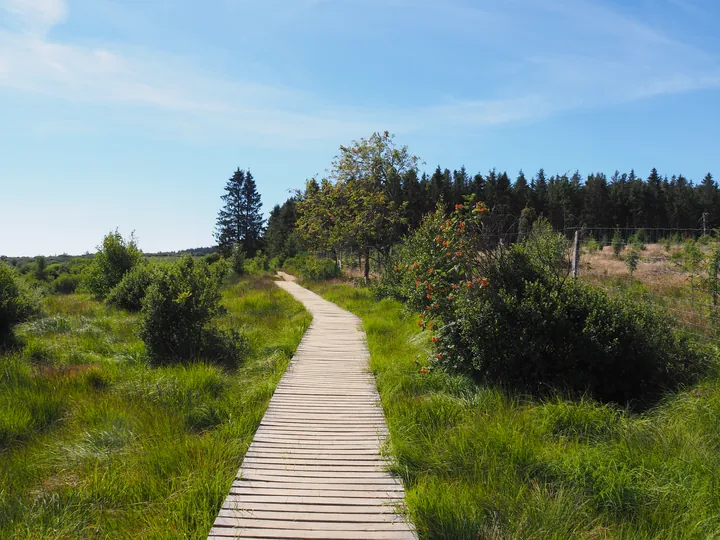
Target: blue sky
point(133, 113)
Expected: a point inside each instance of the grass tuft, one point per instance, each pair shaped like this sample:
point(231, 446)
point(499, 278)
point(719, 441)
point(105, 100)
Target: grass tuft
point(95, 442)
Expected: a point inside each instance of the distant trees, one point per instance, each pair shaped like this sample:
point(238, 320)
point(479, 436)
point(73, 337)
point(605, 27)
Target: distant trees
point(239, 221)
point(280, 239)
point(375, 194)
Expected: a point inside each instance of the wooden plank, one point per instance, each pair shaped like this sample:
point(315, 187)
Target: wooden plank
point(359, 526)
point(314, 468)
point(342, 517)
point(348, 485)
point(229, 532)
point(319, 475)
point(379, 480)
point(307, 508)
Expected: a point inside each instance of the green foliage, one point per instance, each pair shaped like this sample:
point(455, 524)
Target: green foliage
point(632, 259)
point(239, 221)
point(510, 316)
point(237, 259)
point(115, 257)
point(281, 239)
point(178, 310)
point(713, 284)
point(66, 283)
point(311, 268)
point(40, 268)
point(638, 239)
point(17, 302)
point(617, 243)
point(257, 265)
point(527, 218)
point(98, 443)
point(354, 206)
point(212, 258)
point(592, 245)
point(480, 462)
point(129, 293)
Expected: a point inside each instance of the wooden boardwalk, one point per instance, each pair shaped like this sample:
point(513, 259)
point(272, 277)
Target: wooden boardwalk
point(314, 468)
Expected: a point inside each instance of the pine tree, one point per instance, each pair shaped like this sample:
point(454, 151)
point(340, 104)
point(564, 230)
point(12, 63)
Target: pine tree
point(280, 239)
point(412, 192)
point(239, 220)
point(438, 188)
point(251, 222)
point(520, 194)
point(709, 198)
point(227, 226)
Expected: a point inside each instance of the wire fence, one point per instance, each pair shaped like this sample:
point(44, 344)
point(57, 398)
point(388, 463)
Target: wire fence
point(675, 269)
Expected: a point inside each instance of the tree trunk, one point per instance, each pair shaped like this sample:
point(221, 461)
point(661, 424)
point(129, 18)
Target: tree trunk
point(367, 264)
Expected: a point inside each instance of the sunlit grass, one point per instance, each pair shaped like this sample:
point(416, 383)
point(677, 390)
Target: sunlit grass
point(479, 463)
point(94, 442)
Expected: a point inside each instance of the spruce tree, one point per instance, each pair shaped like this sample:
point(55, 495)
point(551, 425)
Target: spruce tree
point(251, 222)
point(227, 227)
point(239, 220)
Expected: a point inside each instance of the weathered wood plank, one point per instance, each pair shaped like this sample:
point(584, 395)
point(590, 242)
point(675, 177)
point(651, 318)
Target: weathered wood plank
point(314, 468)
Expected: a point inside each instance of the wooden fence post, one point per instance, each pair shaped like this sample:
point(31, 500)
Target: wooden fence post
point(576, 255)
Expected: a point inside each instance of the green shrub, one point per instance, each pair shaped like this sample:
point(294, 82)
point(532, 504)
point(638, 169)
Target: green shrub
point(178, 312)
point(257, 265)
point(212, 258)
point(115, 258)
point(275, 264)
point(237, 260)
point(638, 239)
point(311, 268)
point(66, 283)
point(617, 243)
point(40, 268)
point(510, 315)
point(573, 338)
point(17, 302)
point(632, 259)
point(592, 245)
point(129, 293)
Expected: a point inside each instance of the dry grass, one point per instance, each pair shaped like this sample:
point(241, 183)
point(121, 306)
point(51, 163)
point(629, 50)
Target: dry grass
point(658, 278)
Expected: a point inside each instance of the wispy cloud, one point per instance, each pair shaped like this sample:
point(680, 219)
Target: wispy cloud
point(34, 16)
point(591, 56)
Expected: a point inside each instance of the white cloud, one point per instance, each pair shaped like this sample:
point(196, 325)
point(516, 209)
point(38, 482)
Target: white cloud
point(591, 56)
point(35, 16)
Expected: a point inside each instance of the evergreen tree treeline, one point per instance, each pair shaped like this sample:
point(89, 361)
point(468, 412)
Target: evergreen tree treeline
point(623, 200)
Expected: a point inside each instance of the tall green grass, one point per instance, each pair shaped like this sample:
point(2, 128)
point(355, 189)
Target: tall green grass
point(94, 442)
point(481, 463)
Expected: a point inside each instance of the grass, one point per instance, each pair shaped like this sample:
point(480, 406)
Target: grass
point(94, 442)
point(478, 462)
point(660, 279)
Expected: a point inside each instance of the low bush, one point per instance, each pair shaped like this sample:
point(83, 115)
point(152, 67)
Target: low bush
point(178, 313)
point(592, 245)
point(257, 265)
point(510, 315)
point(617, 243)
point(115, 258)
point(17, 302)
point(66, 283)
point(129, 293)
point(212, 258)
point(237, 260)
point(311, 268)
